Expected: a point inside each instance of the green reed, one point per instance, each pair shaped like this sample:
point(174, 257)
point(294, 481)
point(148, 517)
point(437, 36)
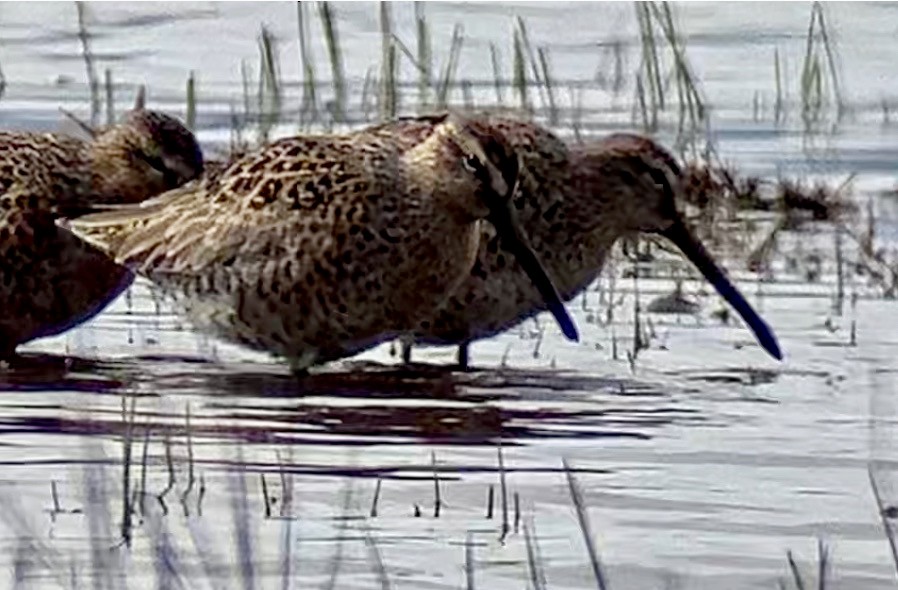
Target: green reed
point(424, 81)
point(140, 98)
point(269, 94)
point(530, 58)
point(388, 94)
point(614, 49)
point(334, 51)
point(2, 82)
point(448, 73)
point(692, 107)
point(654, 79)
point(648, 79)
point(543, 53)
point(246, 85)
point(467, 95)
point(190, 117)
point(367, 83)
point(497, 72)
point(778, 105)
point(425, 55)
point(89, 64)
point(110, 98)
point(819, 72)
point(309, 106)
point(519, 72)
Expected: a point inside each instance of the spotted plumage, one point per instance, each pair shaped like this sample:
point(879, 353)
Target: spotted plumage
point(49, 279)
point(580, 200)
point(316, 247)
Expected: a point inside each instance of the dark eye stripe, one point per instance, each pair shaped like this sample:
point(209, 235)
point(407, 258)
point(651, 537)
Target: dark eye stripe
point(472, 163)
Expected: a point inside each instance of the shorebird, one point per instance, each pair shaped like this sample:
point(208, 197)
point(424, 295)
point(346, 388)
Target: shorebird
point(578, 202)
point(50, 280)
point(314, 248)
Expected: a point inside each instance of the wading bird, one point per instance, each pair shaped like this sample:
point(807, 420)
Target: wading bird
point(316, 247)
point(50, 280)
point(574, 204)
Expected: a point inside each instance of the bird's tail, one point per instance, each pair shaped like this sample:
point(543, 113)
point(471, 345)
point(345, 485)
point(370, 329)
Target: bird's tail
point(108, 227)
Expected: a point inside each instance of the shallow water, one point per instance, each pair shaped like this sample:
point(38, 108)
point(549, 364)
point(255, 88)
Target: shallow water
point(701, 465)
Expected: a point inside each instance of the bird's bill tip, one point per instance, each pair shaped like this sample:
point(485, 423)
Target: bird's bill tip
point(696, 253)
point(566, 323)
point(513, 241)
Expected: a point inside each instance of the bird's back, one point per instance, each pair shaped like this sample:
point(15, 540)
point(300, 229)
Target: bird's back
point(54, 167)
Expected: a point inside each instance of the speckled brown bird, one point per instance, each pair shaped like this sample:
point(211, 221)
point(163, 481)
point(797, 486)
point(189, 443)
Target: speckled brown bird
point(50, 280)
point(316, 247)
point(575, 204)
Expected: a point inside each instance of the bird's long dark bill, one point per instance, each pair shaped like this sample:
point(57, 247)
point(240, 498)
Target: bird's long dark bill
point(693, 249)
point(515, 242)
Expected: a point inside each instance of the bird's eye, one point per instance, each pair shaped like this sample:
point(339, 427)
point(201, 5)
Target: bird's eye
point(471, 163)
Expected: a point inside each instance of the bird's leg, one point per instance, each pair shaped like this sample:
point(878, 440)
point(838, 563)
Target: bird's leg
point(7, 352)
point(463, 356)
point(299, 365)
point(406, 345)
point(299, 373)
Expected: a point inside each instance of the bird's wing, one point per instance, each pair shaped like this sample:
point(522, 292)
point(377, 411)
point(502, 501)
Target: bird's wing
point(266, 196)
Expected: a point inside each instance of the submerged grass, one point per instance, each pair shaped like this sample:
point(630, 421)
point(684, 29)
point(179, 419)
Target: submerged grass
point(884, 513)
point(535, 569)
point(799, 581)
point(203, 563)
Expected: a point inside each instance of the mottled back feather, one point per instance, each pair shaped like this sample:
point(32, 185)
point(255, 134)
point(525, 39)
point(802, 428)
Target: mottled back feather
point(49, 279)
